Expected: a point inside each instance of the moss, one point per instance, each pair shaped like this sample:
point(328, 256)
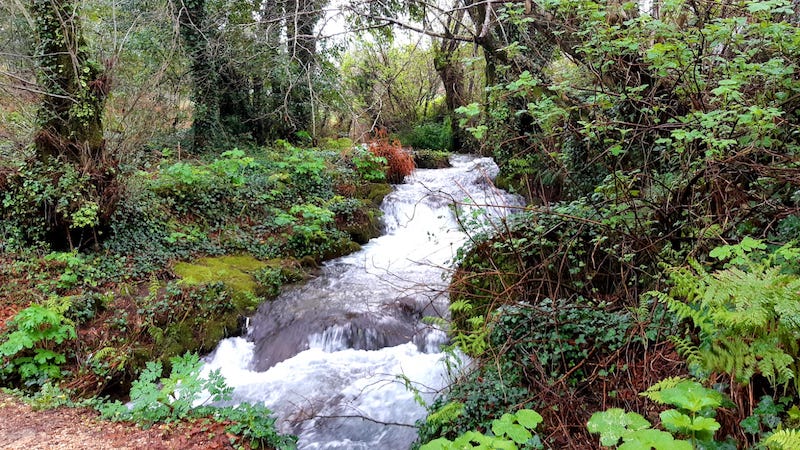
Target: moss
point(234, 271)
point(431, 159)
point(340, 248)
point(240, 275)
point(374, 192)
point(364, 225)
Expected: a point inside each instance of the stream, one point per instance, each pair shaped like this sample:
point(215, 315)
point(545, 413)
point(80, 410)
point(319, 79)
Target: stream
point(333, 357)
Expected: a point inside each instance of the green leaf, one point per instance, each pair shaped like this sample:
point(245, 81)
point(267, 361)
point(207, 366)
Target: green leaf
point(690, 395)
point(505, 426)
point(614, 424)
point(529, 418)
point(654, 439)
point(676, 421)
point(438, 444)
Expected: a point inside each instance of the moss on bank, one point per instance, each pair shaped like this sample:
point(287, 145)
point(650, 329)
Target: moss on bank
point(431, 159)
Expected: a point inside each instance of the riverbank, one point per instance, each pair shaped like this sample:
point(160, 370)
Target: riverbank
point(66, 428)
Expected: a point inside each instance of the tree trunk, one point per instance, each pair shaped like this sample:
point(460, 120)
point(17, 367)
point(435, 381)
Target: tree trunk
point(205, 94)
point(70, 136)
point(451, 72)
point(75, 87)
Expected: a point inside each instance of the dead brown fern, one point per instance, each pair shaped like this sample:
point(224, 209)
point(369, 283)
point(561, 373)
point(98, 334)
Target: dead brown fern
point(399, 162)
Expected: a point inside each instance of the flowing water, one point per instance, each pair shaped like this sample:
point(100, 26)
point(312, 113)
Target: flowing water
point(332, 357)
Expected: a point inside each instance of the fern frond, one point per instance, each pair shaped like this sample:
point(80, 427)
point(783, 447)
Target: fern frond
point(446, 413)
point(686, 348)
point(783, 440)
point(104, 353)
point(460, 306)
point(653, 393)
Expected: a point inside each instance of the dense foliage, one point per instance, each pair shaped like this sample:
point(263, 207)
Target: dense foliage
point(163, 170)
point(646, 139)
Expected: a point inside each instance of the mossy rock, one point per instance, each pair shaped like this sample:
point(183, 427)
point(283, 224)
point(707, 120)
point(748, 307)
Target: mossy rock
point(374, 192)
point(363, 226)
point(431, 159)
point(340, 248)
point(239, 275)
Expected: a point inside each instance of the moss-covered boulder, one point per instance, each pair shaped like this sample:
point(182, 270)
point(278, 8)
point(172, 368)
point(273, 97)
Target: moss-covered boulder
point(247, 279)
point(431, 159)
point(374, 192)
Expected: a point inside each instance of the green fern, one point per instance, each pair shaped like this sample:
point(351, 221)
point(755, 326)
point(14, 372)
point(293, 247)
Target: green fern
point(460, 306)
point(783, 440)
point(446, 413)
point(666, 383)
point(746, 316)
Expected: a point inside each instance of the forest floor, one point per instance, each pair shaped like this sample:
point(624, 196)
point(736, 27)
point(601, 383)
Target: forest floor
point(64, 428)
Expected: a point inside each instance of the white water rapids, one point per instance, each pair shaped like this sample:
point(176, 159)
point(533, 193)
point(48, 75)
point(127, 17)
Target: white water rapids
point(331, 357)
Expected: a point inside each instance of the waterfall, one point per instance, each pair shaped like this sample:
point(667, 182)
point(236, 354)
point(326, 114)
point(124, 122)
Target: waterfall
point(333, 358)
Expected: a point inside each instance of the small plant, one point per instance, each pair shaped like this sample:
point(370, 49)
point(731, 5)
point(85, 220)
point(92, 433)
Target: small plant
point(369, 166)
point(692, 418)
point(634, 430)
point(695, 409)
point(255, 425)
point(508, 432)
point(29, 351)
point(155, 399)
point(49, 396)
point(77, 270)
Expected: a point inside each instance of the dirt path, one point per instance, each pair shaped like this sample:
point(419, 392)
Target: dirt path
point(22, 428)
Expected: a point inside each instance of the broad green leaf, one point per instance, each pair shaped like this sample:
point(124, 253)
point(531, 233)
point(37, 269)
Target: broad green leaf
point(529, 418)
point(689, 395)
point(505, 426)
point(674, 420)
point(614, 424)
point(438, 444)
point(654, 439)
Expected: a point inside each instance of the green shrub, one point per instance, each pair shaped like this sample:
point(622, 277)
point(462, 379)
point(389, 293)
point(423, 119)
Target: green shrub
point(478, 398)
point(155, 399)
point(507, 432)
point(30, 347)
point(430, 135)
point(558, 335)
point(31, 187)
point(747, 315)
point(256, 426)
point(369, 166)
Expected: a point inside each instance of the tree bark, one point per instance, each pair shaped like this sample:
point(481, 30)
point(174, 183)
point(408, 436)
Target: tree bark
point(70, 136)
point(70, 116)
point(205, 93)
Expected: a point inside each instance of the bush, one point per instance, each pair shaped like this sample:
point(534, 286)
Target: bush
point(30, 350)
point(556, 336)
point(430, 135)
point(155, 399)
point(400, 163)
